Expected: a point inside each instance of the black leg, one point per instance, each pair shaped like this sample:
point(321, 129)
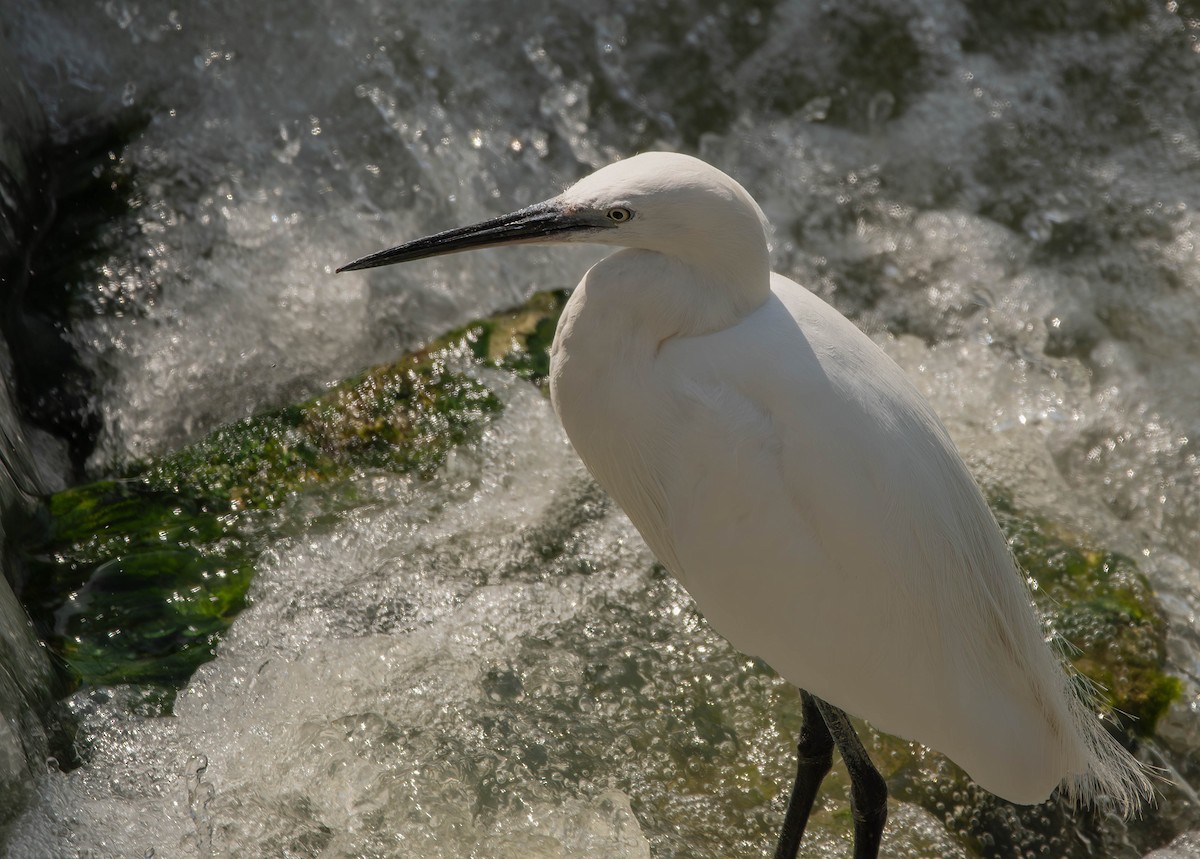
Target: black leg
point(814, 757)
point(868, 791)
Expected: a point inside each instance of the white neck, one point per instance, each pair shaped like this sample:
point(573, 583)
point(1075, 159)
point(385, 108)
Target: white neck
point(640, 295)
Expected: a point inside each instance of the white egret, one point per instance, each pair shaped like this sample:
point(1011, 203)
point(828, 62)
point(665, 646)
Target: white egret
point(786, 471)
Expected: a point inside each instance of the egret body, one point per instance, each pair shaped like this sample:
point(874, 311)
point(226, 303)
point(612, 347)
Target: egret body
point(786, 471)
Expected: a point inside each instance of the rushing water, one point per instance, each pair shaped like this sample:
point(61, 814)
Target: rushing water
point(486, 664)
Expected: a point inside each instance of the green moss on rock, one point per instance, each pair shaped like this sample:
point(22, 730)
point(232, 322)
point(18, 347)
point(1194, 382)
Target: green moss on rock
point(128, 583)
point(403, 417)
point(517, 340)
point(133, 579)
point(1101, 605)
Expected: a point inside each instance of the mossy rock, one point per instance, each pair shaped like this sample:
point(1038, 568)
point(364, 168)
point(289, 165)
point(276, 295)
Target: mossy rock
point(1103, 609)
point(133, 579)
point(518, 340)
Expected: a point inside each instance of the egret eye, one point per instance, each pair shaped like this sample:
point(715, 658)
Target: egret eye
point(619, 215)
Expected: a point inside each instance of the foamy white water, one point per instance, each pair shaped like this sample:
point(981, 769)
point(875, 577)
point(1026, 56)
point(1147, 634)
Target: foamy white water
point(1005, 198)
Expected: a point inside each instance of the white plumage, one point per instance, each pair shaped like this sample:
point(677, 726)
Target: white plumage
point(803, 491)
point(786, 471)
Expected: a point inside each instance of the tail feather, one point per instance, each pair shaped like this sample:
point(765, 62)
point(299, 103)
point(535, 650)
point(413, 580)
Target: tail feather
point(1110, 778)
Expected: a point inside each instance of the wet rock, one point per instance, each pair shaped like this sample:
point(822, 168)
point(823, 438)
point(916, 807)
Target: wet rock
point(133, 579)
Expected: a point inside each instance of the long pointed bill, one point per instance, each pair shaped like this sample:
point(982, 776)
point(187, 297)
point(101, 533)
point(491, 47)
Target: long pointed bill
point(542, 222)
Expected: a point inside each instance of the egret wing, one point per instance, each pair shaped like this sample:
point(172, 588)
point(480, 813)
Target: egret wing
point(833, 531)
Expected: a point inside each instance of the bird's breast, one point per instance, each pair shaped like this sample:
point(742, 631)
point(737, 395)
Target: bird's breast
point(617, 408)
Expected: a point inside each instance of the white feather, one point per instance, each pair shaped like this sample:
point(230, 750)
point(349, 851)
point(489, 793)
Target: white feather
point(802, 490)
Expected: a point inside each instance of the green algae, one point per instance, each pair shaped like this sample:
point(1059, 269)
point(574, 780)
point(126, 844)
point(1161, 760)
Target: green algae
point(133, 579)
point(130, 584)
point(518, 340)
point(402, 417)
point(1103, 608)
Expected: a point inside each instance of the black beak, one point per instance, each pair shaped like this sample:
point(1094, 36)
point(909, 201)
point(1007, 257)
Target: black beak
point(538, 223)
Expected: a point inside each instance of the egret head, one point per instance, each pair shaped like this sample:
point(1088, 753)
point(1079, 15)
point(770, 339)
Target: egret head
point(666, 202)
point(657, 201)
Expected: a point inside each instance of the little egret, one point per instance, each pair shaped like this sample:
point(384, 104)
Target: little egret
point(786, 471)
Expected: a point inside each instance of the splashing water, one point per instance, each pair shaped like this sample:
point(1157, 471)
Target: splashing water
point(488, 663)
